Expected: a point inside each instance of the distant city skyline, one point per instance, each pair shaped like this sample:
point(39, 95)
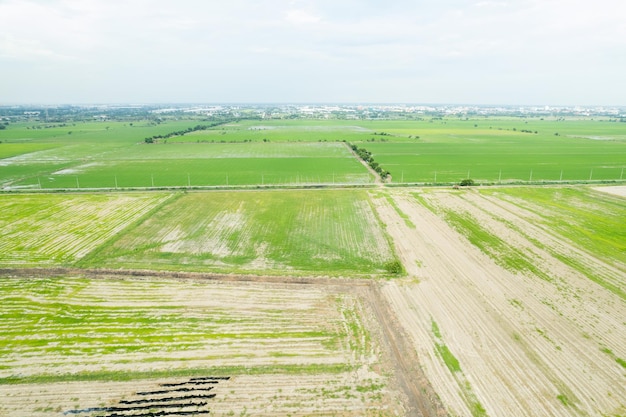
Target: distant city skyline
point(486, 52)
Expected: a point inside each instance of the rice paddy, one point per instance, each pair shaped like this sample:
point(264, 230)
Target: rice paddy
point(297, 152)
point(315, 232)
point(303, 232)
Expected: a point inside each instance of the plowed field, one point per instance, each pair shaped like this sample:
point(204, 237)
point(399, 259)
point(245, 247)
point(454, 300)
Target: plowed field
point(224, 347)
point(508, 323)
point(513, 304)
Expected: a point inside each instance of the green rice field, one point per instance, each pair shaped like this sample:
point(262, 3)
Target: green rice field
point(56, 229)
point(303, 232)
point(183, 165)
point(298, 152)
point(315, 232)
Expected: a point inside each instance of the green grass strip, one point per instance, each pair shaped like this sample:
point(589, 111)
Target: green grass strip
point(402, 214)
point(121, 376)
point(497, 249)
point(448, 358)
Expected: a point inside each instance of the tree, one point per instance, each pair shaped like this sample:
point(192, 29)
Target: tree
point(466, 182)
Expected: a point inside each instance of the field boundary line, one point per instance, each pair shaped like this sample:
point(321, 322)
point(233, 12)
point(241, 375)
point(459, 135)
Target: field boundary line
point(268, 187)
point(97, 273)
point(422, 399)
point(94, 253)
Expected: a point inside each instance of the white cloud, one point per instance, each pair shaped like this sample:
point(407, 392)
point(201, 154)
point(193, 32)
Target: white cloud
point(215, 51)
point(28, 50)
point(301, 17)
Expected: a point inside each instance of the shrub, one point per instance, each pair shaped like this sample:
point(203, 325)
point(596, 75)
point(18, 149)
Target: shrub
point(393, 267)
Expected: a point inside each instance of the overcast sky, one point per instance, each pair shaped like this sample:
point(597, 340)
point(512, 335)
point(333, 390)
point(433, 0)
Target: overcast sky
point(570, 52)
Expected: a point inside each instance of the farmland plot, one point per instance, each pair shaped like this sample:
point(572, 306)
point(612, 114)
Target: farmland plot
point(510, 158)
point(94, 347)
point(303, 232)
point(55, 229)
point(513, 314)
point(169, 165)
point(284, 131)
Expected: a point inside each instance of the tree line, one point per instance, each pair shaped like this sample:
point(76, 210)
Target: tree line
point(366, 156)
point(155, 138)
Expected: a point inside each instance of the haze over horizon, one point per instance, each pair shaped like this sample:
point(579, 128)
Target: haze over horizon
point(523, 52)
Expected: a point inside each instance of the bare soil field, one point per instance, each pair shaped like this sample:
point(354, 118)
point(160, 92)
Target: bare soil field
point(497, 341)
point(619, 190)
point(149, 343)
point(524, 321)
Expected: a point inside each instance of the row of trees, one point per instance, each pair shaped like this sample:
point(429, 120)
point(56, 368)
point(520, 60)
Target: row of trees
point(196, 128)
point(366, 156)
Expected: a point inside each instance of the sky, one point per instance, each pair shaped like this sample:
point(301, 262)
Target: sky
point(517, 52)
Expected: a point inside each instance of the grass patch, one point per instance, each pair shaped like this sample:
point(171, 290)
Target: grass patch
point(448, 358)
point(617, 359)
point(435, 329)
point(563, 399)
point(453, 365)
point(310, 369)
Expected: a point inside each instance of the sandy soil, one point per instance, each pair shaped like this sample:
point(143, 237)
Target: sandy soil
point(619, 190)
point(525, 346)
point(251, 395)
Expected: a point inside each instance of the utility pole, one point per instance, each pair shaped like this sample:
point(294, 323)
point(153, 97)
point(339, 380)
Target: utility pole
point(531, 176)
